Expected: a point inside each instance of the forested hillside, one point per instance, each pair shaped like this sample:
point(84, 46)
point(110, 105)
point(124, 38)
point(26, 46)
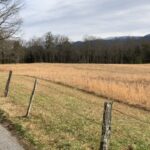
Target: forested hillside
point(59, 49)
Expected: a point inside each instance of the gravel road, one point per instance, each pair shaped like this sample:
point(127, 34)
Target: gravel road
point(7, 141)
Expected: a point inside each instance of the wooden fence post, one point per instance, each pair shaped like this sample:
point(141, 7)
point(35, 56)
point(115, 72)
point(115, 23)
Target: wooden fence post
point(7, 84)
point(106, 126)
point(31, 98)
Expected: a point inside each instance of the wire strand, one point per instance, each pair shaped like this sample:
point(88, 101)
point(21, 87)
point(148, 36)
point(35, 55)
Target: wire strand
point(131, 116)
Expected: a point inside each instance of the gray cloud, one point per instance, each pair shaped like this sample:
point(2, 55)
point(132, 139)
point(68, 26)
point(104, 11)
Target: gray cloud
point(86, 17)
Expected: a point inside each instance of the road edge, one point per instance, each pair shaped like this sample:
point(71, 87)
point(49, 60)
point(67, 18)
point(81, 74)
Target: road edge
point(12, 128)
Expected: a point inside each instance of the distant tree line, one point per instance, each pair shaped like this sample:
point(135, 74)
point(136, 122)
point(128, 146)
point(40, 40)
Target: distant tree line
point(58, 49)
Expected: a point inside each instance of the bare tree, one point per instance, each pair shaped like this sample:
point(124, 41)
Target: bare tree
point(9, 18)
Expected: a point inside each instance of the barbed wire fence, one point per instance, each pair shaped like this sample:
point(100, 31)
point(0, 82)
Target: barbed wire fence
point(29, 78)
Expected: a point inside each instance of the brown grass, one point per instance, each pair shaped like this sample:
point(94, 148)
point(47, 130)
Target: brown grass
point(128, 83)
point(66, 118)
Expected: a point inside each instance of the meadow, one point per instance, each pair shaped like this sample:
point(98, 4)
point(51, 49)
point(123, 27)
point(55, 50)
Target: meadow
point(126, 83)
point(64, 117)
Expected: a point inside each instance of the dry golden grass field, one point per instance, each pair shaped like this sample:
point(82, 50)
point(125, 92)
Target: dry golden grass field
point(65, 118)
point(127, 83)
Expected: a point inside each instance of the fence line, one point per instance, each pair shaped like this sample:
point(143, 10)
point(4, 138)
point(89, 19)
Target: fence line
point(91, 92)
point(142, 121)
point(106, 115)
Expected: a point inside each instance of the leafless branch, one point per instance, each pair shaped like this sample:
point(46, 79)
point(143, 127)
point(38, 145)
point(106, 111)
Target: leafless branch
point(9, 19)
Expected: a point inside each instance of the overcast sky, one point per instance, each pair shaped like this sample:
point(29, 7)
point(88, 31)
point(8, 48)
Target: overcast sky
point(78, 18)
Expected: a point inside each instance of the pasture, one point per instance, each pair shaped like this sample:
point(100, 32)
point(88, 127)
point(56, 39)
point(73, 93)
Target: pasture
point(67, 108)
point(127, 83)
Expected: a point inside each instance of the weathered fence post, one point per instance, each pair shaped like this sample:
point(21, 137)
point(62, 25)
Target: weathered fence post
point(7, 84)
point(106, 126)
point(31, 98)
